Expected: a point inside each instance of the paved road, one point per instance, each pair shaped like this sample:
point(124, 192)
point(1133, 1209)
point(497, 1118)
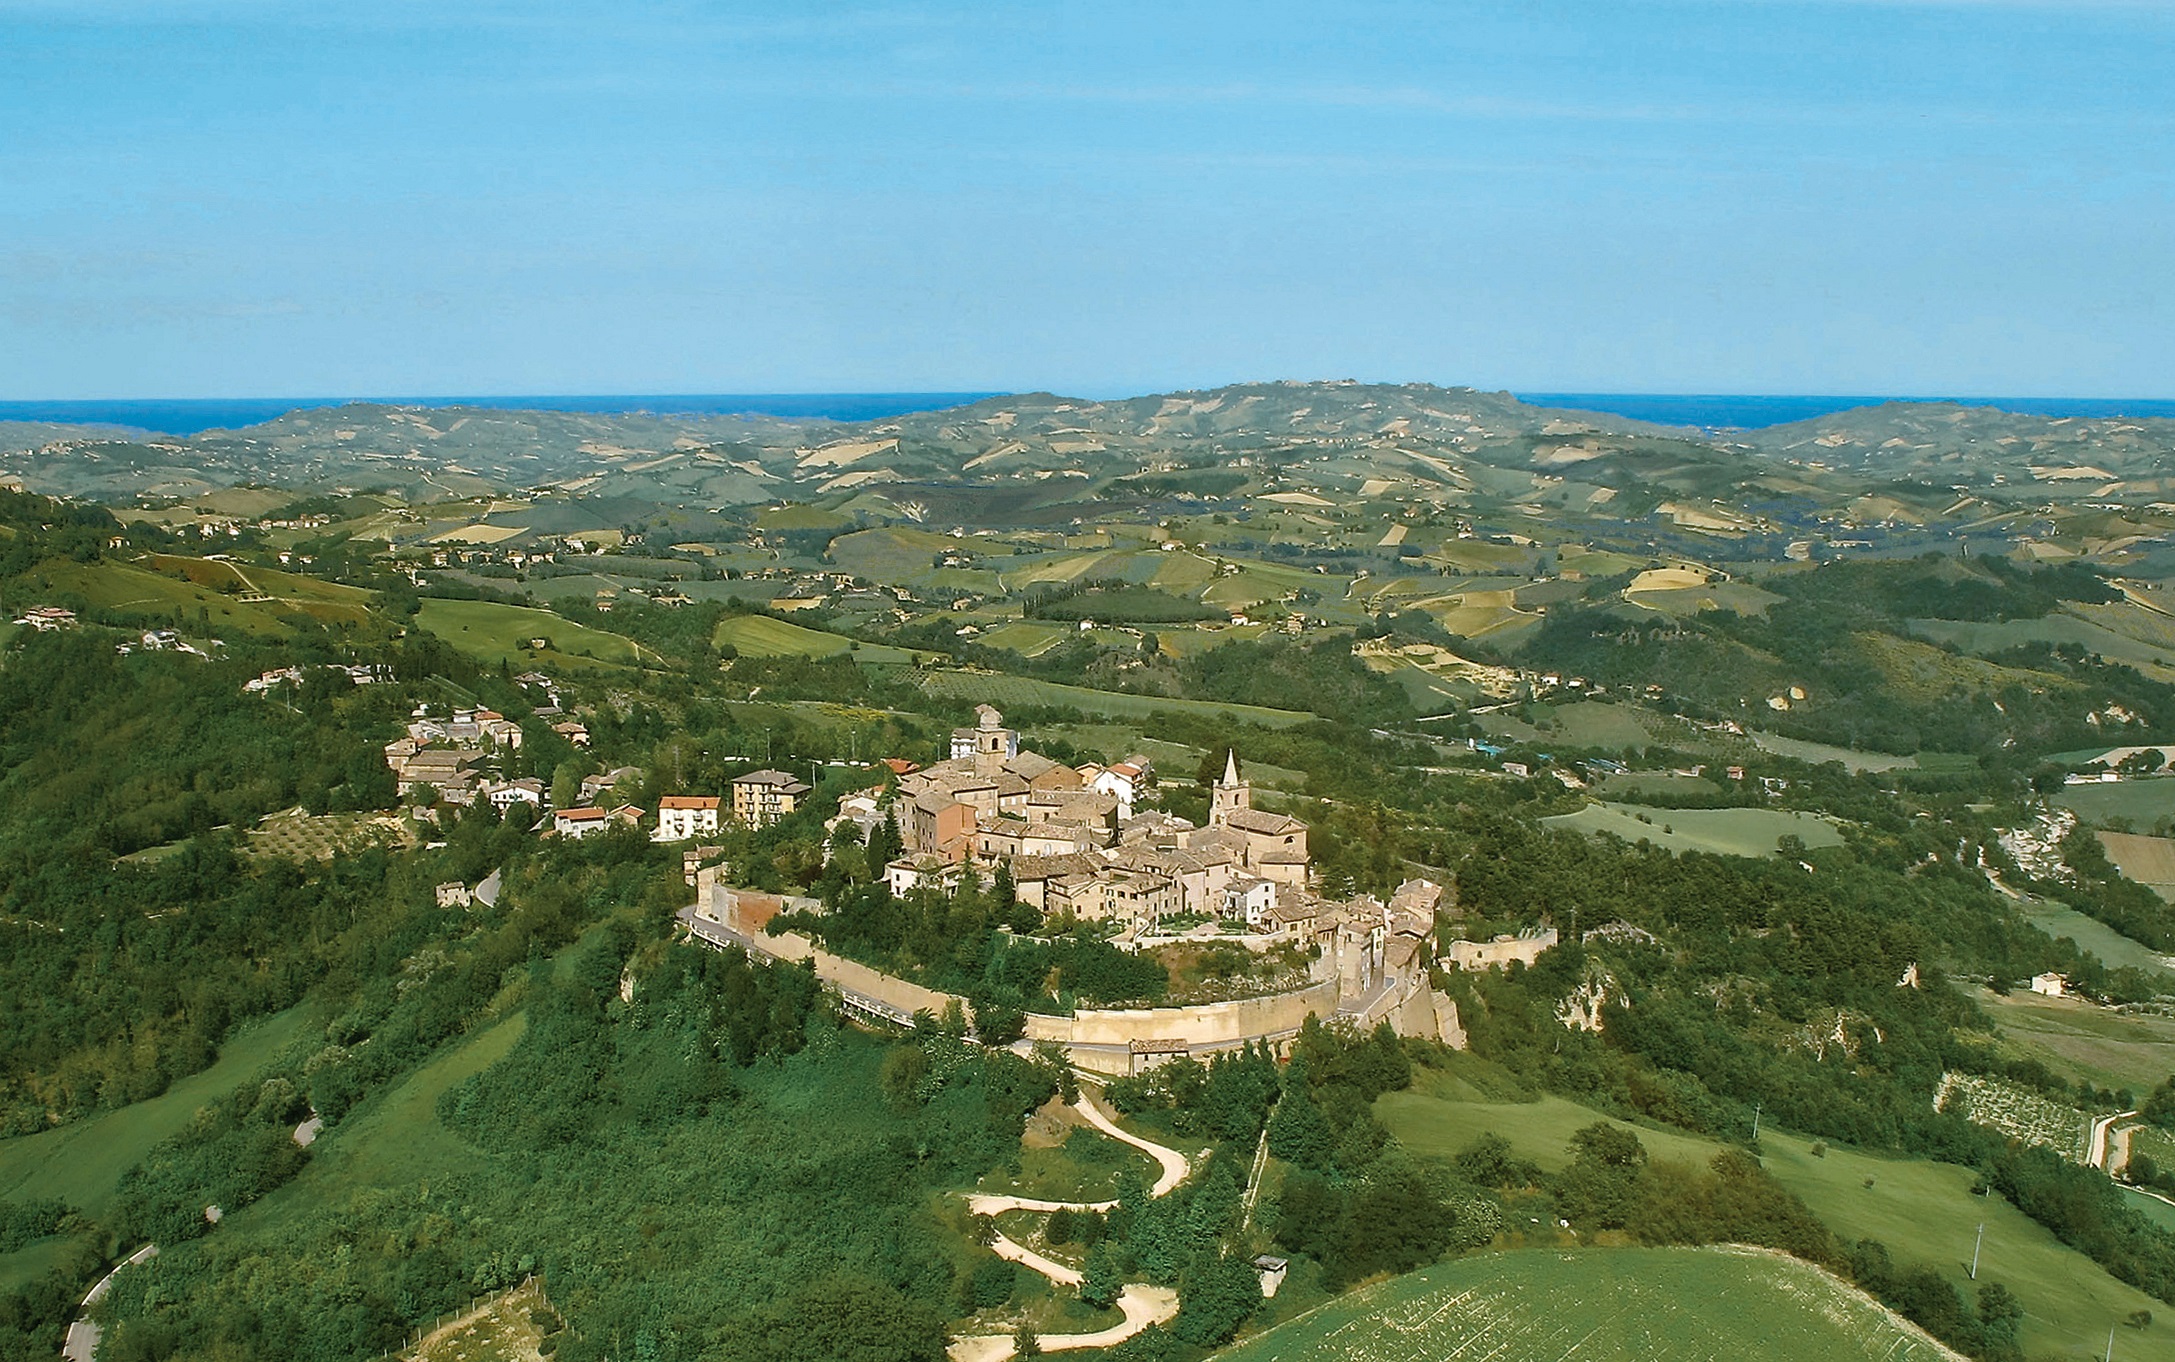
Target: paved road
point(1141, 1304)
point(81, 1344)
point(2097, 1155)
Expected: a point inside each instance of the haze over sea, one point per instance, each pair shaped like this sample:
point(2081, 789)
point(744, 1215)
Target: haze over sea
point(1718, 411)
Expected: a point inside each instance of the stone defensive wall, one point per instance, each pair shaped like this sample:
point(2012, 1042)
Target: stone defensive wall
point(1105, 1040)
point(1203, 1026)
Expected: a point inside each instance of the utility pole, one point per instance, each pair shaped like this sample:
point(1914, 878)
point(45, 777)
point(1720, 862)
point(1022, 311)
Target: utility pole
point(1755, 1122)
point(2110, 1344)
point(1976, 1245)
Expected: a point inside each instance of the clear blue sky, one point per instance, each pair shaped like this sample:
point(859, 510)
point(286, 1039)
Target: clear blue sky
point(203, 199)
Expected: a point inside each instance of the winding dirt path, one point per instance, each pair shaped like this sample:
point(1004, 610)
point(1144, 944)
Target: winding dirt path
point(1140, 1303)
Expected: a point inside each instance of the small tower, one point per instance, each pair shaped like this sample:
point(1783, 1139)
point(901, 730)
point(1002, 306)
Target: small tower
point(994, 744)
point(1230, 794)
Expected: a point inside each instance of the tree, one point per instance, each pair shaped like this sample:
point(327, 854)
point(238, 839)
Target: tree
point(2000, 1312)
point(1215, 1296)
point(1598, 1190)
point(1101, 1279)
point(1298, 1132)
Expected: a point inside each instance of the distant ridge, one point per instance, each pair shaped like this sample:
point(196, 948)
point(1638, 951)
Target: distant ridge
point(193, 416)
point(1754, 411)
point(1707, 411)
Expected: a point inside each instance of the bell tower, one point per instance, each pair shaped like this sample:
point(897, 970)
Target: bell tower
point(1230, 794)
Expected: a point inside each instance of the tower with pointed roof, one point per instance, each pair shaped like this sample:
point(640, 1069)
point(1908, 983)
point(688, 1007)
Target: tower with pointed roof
point(1230, 794)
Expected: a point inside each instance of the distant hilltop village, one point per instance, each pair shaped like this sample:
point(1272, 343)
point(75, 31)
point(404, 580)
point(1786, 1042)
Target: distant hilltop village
point(1074, 844)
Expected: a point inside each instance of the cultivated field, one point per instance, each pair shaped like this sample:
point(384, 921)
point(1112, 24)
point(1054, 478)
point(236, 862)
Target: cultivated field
point(2148, 860)
point(508, 1327)
point(1729, 832)
point(1600, 1305)
point(2112, 947)
point(297, 836)
point(1819, 753)
point(2139, 804)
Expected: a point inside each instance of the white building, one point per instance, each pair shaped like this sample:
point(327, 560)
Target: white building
point(680, 817)
point(579, 822)
point(505, 794)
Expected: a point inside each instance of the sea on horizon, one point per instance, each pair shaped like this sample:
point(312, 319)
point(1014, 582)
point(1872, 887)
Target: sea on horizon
point(1709, 411)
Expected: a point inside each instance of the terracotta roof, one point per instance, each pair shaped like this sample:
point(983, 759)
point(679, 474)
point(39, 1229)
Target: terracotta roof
point(688, 802)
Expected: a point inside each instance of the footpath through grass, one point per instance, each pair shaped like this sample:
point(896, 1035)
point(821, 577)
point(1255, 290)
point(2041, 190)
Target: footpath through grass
point(1923, 1211)
point(1600, 1305)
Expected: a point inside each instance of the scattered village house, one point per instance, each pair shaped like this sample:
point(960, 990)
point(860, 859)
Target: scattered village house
point(582, 822)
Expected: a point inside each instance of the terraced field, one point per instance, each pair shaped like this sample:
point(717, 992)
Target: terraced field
point(1601, 1305)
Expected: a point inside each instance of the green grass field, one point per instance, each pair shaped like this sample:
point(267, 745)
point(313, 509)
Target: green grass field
point(1921, 1210)
point(139, 590)
point(1001, 691)
point(1599, 1305)
point(2140, 804)
point(1028, 638)
point(2112, 947)
point(1729, 832)
point(1985, 637)
point(395, 1140)
point(82, 1161)
point(762, 636)
point(495, 633)
point(1084, 1168)
point(2079, 1040)
point(1819, 754)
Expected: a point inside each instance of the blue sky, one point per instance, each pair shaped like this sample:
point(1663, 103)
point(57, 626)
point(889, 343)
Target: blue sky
point(202, 199)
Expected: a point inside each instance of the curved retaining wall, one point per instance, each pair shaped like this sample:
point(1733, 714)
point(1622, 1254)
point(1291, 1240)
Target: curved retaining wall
point(1203, 1025)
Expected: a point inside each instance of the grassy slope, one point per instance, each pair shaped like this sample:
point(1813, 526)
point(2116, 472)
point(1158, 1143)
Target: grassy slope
point(2074, 1038)
point(1731, 832)
point(492, 633)
point(2112, 947)
point(1020, 690)
point(762, 636)
point(1921, 1210)
point(127, 587)
point(1541, 1305)
point(80, 1162)
point(396, 1140)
